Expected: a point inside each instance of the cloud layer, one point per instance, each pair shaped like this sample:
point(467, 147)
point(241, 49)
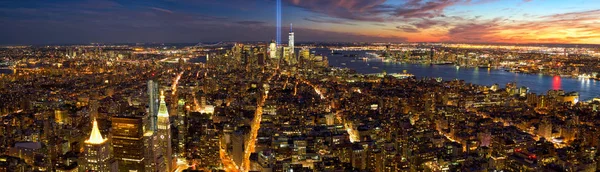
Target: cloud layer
point(428, 20)
point(65, 21)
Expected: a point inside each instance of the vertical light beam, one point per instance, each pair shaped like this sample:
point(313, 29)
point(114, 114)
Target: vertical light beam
point(278, 22)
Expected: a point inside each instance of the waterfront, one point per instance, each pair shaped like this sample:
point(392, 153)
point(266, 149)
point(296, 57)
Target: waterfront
point(540, 84)
point(537, 83)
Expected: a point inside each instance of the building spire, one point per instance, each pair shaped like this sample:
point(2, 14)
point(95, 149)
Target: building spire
point(291, 27)
point(95, 136)
point(162, 108)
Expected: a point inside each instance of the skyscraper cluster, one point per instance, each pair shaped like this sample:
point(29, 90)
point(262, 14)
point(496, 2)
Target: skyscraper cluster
point(137, 142)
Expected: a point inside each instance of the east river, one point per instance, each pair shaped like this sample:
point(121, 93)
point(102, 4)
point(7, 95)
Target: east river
point(537, 83)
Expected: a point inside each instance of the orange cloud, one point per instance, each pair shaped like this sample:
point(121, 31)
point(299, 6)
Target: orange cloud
point(575, 27)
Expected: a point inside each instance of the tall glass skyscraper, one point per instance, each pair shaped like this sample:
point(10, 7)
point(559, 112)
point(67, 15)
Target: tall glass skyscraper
point(291, 40)
point(152, 104)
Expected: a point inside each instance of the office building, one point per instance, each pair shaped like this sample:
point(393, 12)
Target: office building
point(152, 104)
point(128, 143)
point(164, 132)
point(96, 153)
point(181, 127)
point(291, 40)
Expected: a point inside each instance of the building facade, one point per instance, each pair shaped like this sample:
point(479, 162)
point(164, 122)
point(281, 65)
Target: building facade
point(164, 132)
point(96, 153)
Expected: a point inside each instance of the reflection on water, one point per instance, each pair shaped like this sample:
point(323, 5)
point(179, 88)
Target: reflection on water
point(540, 84)
point(556, 83)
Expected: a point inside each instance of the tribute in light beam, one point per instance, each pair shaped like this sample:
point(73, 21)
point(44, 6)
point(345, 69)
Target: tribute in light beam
point(278, 22)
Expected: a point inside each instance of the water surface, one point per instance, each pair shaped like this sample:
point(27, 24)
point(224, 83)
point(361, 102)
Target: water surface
point(537, 83)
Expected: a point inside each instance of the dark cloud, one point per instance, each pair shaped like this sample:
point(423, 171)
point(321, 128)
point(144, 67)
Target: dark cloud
point(251, 22)
point(575, 15)
point(161, 10)
point(328, 36)
point(332, 21)
point(362, 10)
point(69, 21)
point(408, 29)
point(422, 24)
point(428, 23)
point(123, 25)
point(379, 10)
point(474, 32)
point(420, 8)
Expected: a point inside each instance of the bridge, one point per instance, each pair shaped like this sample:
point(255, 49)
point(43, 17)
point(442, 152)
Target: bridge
point(200, 45)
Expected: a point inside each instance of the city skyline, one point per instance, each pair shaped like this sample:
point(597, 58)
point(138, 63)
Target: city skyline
point(239, 107)
point(170, 21)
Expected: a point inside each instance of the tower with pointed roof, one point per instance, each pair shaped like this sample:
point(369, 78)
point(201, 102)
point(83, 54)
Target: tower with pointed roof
point(96, 153)
point(153, 104)
point(164, 132)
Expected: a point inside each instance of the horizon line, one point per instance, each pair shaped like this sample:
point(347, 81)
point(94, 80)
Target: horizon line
point(299, 42)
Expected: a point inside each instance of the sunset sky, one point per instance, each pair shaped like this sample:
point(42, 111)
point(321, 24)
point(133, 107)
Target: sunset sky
point(174, 21)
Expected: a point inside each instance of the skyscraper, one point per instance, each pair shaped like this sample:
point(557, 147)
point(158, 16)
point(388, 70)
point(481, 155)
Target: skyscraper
point(237, 146)
point(128, 143)
point(96, 153)
point(545, 129)
point(273, 49)
point(164, 132)
point(291, 40)
point(181, 127)
point(152, 104)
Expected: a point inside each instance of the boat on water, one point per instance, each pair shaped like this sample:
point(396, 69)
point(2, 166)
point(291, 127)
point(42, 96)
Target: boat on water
point(352, 60)
point(402, 75)
point(375, 67)
point(343, 64)
point(373, 54)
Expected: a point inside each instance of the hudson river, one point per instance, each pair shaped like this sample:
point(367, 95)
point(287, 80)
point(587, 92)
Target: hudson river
point(540, 84)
